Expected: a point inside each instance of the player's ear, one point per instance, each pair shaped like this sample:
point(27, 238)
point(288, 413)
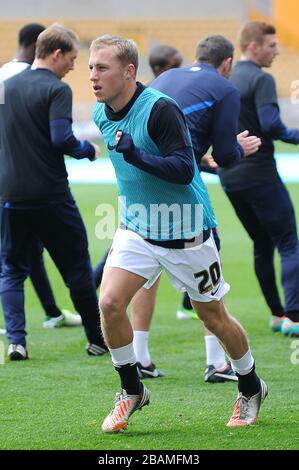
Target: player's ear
point(252, 46)
point(229, 62)
point(130, 71)
point(56, 54)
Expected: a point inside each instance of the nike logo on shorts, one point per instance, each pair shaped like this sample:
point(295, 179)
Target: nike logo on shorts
point(215, 291)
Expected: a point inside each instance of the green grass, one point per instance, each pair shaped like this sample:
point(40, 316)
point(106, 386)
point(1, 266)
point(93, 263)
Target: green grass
point(282, 147)
point(58, 399)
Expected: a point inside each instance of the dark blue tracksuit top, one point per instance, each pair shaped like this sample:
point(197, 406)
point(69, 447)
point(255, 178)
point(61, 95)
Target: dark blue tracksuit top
point(211, 106)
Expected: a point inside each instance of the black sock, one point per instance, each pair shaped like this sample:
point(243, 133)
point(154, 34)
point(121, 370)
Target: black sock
point(129, 379)
point(278, 314)
point(53, 311)
point(249, 384)
point(186, 302)
point(294, 315)
point(277, 309)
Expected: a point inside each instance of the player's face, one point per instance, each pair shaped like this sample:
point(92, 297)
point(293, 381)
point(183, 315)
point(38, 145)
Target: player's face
point(267, 51)
point(108, 75)
point(67, 61)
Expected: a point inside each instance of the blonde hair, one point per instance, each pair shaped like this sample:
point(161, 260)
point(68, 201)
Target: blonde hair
point(126, 49)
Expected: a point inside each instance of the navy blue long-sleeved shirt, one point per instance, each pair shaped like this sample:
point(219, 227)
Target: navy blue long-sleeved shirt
point(272, 125)
point(259, 114)
point(63, 139)
point(211, 106)
point(35, 132)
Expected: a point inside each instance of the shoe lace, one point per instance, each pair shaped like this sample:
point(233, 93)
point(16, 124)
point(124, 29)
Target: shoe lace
point(119, 396)
point(241, 407)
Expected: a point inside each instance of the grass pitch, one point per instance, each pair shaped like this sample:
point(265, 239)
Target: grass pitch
point(58, 398)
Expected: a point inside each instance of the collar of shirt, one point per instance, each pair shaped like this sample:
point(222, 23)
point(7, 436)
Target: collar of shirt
point(119, 115)
point(249, 62)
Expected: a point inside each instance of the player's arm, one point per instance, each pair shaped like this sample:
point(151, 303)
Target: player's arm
point(63, 139)
point(272, 125)
point(168, 129)
point(226, 149)
point(61, 132)
point(268, 112)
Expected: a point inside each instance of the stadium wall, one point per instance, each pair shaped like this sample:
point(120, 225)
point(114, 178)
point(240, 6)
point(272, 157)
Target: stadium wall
point(158, 24)
point(14, 9)
point(261, 10)
point(286, 17)
point(181, 33)
point(283, 13)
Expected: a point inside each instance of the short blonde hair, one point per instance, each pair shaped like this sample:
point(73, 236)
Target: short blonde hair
point(126, 49)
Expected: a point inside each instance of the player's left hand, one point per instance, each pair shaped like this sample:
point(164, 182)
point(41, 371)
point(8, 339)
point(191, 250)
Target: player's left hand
point(249, 143)
point(209, 161)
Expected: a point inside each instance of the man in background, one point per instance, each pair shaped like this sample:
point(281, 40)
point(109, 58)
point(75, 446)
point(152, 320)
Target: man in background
point(164, 57)
point(55, 317)
point(210, 104)
point(34, 192)
point(254, 187)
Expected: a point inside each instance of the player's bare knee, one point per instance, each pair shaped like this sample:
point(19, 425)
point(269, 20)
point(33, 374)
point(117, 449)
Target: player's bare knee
point(215, 316)
point(109, 305)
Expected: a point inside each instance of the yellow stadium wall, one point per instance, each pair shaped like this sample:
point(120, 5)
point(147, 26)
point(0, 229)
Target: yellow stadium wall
point(286, 18)
point(181, 33)
point(256, 15)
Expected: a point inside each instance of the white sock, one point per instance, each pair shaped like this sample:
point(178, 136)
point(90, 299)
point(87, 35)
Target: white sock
point(244, 365)
point(140, 343)
point(215, 353)
point(123, 355)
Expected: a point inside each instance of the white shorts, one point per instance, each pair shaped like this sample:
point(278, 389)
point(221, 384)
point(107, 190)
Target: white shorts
point(195, 270)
